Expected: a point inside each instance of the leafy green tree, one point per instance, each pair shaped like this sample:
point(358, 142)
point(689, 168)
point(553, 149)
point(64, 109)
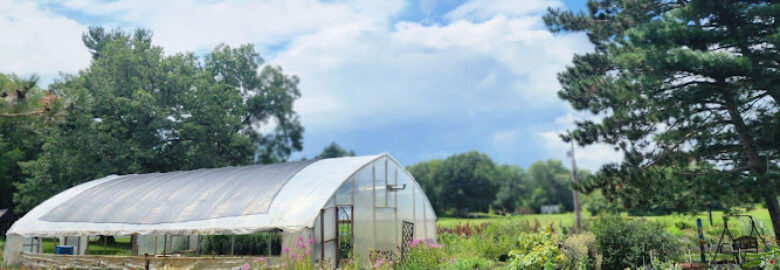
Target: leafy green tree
point(467, 182)
point(513, 184)
point(137, 110)
point(688, 91)
point(334, 150)
point(554, 180)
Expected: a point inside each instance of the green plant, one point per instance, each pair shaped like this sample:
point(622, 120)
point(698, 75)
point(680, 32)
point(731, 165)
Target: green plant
point(771, 260)
point(537, 251)
point(581, 251)
point(628, 243)
point(422, 255)
point(470, 263)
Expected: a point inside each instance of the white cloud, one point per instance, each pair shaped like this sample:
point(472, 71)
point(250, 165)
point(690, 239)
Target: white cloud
point(589, 157)
point(188, 25)
point(362, 74)
point(38, 41)
point(478, 10)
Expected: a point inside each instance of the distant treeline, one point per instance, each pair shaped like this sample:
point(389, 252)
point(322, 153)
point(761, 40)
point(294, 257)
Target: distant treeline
point(472, 182)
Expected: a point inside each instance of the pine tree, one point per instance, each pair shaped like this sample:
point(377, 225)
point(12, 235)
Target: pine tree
point(688, 91)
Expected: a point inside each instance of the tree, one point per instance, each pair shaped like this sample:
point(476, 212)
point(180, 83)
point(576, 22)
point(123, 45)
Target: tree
point(334, 150)
point(24, 110)
point(554, 181)
point(513, 184)
point(467, 182)
point(137, 110)
point(687, 90)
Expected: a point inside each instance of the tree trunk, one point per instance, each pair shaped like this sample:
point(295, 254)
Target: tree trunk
point(774, 213)
point(756, 166)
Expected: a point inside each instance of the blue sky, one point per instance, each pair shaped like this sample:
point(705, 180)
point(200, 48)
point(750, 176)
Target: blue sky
point(418, 79)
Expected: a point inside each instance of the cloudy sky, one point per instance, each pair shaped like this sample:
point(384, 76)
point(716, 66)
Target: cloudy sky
point(418, 79)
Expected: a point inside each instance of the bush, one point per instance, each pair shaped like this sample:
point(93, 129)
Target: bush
point(537, 251)
point(421, 255)
point(581, 250)
point(630, 243)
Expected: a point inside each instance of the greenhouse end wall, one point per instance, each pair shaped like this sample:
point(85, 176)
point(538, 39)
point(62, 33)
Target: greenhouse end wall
point(378, 213)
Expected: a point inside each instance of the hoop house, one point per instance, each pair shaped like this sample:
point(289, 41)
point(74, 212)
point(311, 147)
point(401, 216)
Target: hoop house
point(359, 205)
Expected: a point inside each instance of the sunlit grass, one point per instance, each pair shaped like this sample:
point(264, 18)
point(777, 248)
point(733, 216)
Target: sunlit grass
point(674, 222)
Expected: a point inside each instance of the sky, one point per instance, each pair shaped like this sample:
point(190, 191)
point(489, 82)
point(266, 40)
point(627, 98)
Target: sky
point(419, 79)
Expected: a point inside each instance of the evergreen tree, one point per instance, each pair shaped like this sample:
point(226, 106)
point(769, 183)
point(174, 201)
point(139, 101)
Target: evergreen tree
point(688, 91)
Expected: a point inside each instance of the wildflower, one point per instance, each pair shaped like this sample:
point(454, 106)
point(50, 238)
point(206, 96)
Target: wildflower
point(285, 250)
point(772, 261)
point(311, 240)
point(299, 244)
point(293, 255)
point(259, 259)
point(245, 266)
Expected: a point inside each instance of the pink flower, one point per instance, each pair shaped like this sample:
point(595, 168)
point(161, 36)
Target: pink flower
point(293, 255)
point(306, 252)
point(285, 249)
point(311, 240)
point(245, 266)
point(299, 244)
point(259, 259)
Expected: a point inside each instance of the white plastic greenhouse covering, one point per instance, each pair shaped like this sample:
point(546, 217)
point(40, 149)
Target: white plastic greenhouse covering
point(240, 200)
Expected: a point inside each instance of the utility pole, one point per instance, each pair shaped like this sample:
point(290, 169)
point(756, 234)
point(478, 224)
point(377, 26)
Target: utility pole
point(574, 181)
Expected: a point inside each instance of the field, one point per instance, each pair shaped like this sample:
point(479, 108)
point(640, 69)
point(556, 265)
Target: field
point(761, 217)
point(682, 229)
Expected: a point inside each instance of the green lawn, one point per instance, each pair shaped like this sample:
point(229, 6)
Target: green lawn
point(676, 223)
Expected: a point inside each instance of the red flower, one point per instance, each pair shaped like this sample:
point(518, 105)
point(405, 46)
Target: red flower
point(772, 261)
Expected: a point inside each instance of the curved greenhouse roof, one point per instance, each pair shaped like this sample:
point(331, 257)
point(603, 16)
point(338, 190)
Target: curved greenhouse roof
point(231, 200)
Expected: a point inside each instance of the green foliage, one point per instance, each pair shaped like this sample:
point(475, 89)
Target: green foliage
point(334, 150)
point(630, 243)
point(470, 263)
point(687, 90)
point(423, 255)
point(137, 110)
point(25, 110)
point(581, 251)
point(537, 251)
point(248, 244)
point(472, 181)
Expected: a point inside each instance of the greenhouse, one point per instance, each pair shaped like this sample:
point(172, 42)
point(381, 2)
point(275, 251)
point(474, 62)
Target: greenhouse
point(226, 217)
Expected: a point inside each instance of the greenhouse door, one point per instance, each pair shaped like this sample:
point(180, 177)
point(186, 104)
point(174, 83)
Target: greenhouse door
point(330, 237)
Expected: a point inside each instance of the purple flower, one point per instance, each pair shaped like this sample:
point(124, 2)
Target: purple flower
point(285, 249)
point(245, 266)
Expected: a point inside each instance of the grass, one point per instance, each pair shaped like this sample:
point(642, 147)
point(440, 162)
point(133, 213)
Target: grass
point(682, 222)
point(120, 247)
point(682, 226)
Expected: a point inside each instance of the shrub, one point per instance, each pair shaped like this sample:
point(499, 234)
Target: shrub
point(422, 255)
point(630, 243)
point(581, 250)
point(537, 251)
